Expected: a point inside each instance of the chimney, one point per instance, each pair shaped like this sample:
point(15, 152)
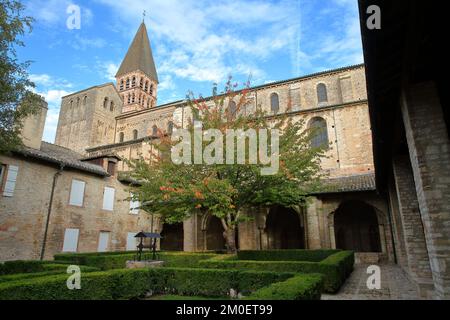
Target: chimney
point(33, 127)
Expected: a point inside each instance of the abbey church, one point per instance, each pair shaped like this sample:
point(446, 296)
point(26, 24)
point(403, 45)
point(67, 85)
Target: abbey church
point(71, 196)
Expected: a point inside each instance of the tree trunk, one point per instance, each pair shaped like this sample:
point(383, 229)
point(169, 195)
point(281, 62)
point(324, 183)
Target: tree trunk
point(230, 239)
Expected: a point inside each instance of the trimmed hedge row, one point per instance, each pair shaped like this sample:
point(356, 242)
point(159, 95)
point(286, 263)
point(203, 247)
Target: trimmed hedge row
point(286, 255)
point(300, 287)
point(111, 260)
point(335, 268)
point(32, 266)
point(132, 283)
point(53, 269)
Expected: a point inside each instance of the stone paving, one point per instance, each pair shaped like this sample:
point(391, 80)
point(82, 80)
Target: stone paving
point(395, 285)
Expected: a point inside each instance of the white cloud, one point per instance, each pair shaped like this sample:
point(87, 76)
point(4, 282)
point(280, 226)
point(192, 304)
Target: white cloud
point(83, 43)
point(166, 83)
point(108, 70)
point(51, 123)
point(209, 40)
point(44, 80)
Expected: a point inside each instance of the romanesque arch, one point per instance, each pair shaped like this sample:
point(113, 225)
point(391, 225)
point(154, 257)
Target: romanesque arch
point(213, 233)
point(284, 229)
point(357, 227)
point(172, 237)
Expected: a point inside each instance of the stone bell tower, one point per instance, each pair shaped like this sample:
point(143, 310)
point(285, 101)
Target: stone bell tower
point(137, 80)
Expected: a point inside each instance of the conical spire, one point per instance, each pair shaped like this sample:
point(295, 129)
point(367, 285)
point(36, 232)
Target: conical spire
point(139, 56)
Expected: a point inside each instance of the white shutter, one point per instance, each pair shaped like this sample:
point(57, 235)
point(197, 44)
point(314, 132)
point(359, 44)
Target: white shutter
point(131, 241)
point(103, 241)
point(108, 199)
point(11, 179)
point(77, 193)
point(71, 240)
point(134, 206)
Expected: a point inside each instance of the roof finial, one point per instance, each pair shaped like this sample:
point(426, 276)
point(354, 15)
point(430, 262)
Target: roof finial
point(143, 16)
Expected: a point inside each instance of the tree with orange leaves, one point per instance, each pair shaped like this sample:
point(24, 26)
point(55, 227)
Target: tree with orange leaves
point(229, 191)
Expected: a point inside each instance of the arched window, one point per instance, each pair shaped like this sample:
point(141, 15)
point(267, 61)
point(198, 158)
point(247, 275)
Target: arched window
point(121, 85)
point(129, 98)
point(151, 89)
point(133, 82)
point(121, 137)
point(274, 103)
point(127, 86)
point(154, 130)
point(170, 127)
point(322, 93)
point(148, 103)
point(232, 109)
point(71, 103)
point(146, 86)
point(105, 102)
point(135, 134)
point(320, 138)
point(85, 100)
point(133, 97)
point(111, 106)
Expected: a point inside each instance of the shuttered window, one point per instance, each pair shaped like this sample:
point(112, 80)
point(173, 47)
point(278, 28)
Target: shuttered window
point(77, 193)
point(71, 240)
point(11, 173)
point(108, 198)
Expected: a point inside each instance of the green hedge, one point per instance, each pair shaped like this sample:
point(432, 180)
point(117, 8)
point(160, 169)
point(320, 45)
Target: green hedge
point(132, 283)
point(32, 266)
point(300, 287)
point(286, 255)
point(53, 269)
point(335, 268)
point(111, 260)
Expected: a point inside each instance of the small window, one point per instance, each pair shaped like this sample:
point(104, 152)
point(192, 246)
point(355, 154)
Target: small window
point(77, 193)
point(154, 130)
point(134, 205)
point(146, 86)
point(111, 106)
point(131, 241)
point(133, 97)
point(105, 103)
point(127, 86)
point(320, 138)
point(133, 82)
point(121, 85)
point(170, 127)
point(322, 95)
point(8, 178)
point(85, 100)
point(121, 136)
point(103, 241)
point(148, 103)
point(70, 240)
point(274, 103)
point(71, 103)
point(108, 198)
point(135, 134)
point(129, 98)
point(141, 83)
point(151, 89)
point(111, 167)
point(78, 102)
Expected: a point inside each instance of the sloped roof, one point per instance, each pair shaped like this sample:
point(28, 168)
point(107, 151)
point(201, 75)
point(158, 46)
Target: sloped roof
point(139, 56)
point(353, 183)
point(61, 156)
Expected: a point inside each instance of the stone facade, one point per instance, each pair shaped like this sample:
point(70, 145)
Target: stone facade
point(100, 123)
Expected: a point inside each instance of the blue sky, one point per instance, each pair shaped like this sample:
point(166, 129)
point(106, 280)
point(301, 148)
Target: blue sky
point(195, 43)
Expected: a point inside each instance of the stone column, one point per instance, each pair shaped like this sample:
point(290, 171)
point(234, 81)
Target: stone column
point(429, 150)
point(190, 234)
point(312, 222)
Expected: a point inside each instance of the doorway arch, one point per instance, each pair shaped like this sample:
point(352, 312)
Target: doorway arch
point(214, 234)
point(356, 227)
point(284, 229)
point(172, 237)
